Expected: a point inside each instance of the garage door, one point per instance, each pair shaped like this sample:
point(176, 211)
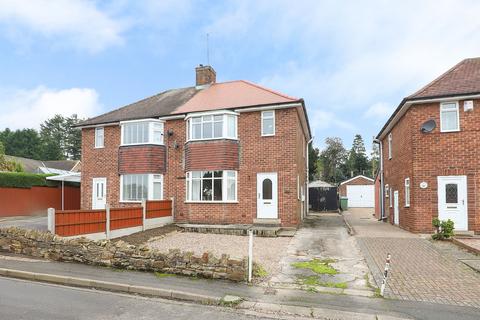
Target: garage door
point(361, 196)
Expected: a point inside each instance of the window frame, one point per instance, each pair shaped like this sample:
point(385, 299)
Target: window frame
point(407, 192)
point(151, 131)
point(263, 118)
point(456, 108)
point(225, 125)
point(150, 181)
point(390, 144)
point(96, 144)
point(391, 197)
point(189, 185)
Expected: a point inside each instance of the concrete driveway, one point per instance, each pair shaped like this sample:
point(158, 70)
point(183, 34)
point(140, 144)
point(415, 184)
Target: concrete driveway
point(421, 269)
point(27, 222)
point(323, 237)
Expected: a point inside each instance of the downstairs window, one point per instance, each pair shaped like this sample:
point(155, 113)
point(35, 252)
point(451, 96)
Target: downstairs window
point(211, 186)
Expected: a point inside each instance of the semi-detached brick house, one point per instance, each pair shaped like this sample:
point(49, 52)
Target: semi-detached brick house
point(227, 153)
point(430, 154)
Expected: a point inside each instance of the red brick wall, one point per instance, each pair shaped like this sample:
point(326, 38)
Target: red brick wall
point(281, 153)
point(211, 155)
point(141, 159)
point(342, 189)
point(424, 157)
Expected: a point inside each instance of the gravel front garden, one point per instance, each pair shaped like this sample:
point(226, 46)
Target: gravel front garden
point(266, 251)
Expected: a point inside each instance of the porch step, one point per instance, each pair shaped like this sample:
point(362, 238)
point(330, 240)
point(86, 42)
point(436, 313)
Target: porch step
point(267, 222)
point(464, 233)
point(286, 232)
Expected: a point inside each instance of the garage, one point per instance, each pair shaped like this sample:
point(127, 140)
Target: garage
point(360, 192)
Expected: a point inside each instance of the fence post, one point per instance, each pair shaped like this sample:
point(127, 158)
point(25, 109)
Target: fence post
point(144, 213)
point(250, 255)
point(173, 208)
point(107, 222)
point(51, 220)
point(385, 275)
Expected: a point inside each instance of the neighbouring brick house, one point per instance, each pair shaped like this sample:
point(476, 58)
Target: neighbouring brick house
point(359, 190)
point(227, 153)
point(430, 154)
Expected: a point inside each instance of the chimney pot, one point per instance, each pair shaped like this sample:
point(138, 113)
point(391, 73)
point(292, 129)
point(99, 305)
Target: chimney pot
point(205, 75)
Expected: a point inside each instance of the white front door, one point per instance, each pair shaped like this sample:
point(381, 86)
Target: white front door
point(267, 196)
point(361, 196)
point(452, 200)
point(99, 193)
point(396, 213)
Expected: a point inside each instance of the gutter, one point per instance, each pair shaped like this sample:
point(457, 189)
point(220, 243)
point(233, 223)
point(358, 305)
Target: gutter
point(382, 187)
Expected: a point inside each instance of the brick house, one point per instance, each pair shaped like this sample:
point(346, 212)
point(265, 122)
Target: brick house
point(227, 153)
point(429, 149)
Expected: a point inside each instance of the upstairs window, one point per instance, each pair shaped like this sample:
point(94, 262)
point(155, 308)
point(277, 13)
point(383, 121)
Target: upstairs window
point(212, 126)
point(99, 137)
point(449, 117)
point(142, 132)
point(407, 192)
point(390, 139)
point(268, 123)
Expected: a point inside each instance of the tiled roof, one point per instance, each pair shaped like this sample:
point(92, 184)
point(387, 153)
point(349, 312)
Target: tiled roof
point(224, 95)
point(463, 78)
point(32, 165)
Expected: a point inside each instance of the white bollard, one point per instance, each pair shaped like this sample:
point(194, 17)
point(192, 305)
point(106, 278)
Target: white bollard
point(51, 220)
point(107, 222)
point(250, 255)
point(385, 275)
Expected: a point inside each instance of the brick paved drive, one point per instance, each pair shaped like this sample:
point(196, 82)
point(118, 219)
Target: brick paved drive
point(421, 270)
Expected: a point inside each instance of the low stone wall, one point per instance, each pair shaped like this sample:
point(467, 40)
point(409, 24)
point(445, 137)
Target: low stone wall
point(120, 255)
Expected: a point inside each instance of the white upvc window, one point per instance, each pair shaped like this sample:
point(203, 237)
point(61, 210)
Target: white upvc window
point(390, 142)
point(391, 197)
point(138, 187)
point(99, 137)
point(268, 123)
point(209, 126)
point(449, 117)
point(407, 192)
point(211, 186)
point(148, 131)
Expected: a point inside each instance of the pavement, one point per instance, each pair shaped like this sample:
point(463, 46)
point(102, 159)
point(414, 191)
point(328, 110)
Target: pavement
point(324, 236)
point(259, 299)
point(420, 269)
point(28, 222)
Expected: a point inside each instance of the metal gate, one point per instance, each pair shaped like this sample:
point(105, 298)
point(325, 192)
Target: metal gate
point(323, 199)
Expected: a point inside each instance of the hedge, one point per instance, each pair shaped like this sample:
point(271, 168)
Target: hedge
point(25, 180)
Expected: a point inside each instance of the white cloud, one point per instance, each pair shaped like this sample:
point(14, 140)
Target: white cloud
point(28, 108)
point(379, 110)
point(76, 23)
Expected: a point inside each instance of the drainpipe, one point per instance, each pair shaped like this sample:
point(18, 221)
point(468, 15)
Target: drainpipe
point(382, 187)
point(307, 198)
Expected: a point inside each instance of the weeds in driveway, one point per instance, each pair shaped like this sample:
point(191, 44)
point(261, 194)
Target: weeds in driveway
point(163, 275)
point(316, 281)
point(318, 266)
point(259, 271)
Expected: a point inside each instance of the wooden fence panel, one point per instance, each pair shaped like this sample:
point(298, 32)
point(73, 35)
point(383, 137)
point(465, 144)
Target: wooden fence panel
point(77, 222)
point(121, 218)
point(159, 208)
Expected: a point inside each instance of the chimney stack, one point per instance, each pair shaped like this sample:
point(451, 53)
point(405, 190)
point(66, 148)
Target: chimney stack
point(205, 75)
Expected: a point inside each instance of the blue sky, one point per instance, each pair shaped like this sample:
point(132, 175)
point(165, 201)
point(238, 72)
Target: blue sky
point(352, 61)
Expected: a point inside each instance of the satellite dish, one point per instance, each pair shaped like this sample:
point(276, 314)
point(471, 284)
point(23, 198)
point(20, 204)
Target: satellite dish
point(428, 126)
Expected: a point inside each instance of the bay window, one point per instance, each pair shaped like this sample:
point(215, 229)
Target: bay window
point(212, 126)
point(142, 132)
point(211, 186)
point(138, 187)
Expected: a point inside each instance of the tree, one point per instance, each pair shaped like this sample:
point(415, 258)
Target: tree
point(73, 143)
point(374, 158)
point(60, 140)
point(8, 165)
point(357, 162)
point(332, 158)
point(313, 157)
point(22, 143)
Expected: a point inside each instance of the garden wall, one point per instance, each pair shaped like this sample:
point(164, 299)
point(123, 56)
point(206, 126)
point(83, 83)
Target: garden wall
point(120, 255)
point(35, 200)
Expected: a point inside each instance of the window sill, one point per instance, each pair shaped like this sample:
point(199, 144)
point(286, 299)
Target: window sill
point(142, 144)
point(99, 147)
point(130, 201)
point(212, 139)
point(268, 135)
point(407, 206)
point(208, 202)
point(447, 131)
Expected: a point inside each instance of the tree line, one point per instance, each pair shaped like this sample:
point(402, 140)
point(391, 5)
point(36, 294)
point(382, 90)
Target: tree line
point(335, 163)
point(57, 139)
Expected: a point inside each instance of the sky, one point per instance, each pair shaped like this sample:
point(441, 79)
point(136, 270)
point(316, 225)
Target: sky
point(351, 61)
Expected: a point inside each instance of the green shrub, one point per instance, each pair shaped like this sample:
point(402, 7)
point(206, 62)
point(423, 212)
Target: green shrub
point(444, 229)
point(25, 180)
